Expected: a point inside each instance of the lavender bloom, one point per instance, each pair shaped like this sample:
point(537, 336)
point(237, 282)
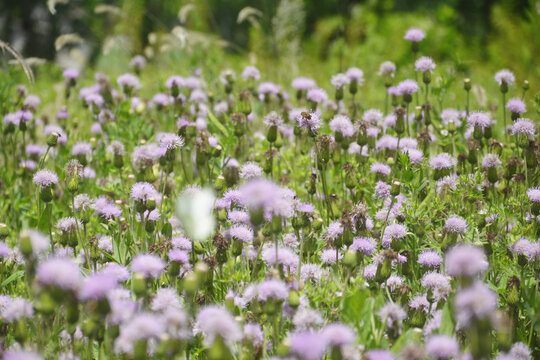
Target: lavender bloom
point(491, 161)
point(340, 80)
point(475, 303)
point(524, 247)
point(424, 64)
point(393, 232)
point(273, 119)
point(178, 255)
point(45, 178)
point(272, 290)
point(355, 75)
point(434, 280)
point(442, 347)
point(148, 265)
point(250, 170)
point(455, 224)
point(138, 62)
point(387, 68)
point(241, 233)
point(534, 195)
point(311, 123)
point(106, 208)
point(70, 74)
point(408, 87)
point(465, 260)
point(382, 190)
point(97, 286)
point(254, 334)
point(380, 168)
point(328, 256)
point(392, 315)
point(266, 89)
point(479, 119)
point(68, 224)
point(338, 334)
point(365, 245)
point(303, 84)
point(505, 77)
point(251, 73)
point(442, 161)
point(213, 321)
point(450, 114)
point(59, 272)
point(420, 303)
point(429, 258)
point(523, 126)
point(81, 148)
point(372, 116)
point(343, 125)
point(142, 326)
point(317, 96)
point(143, 191)
point(17, 309)
point(379, 354)
point(119, 272)
point(129, 81)
point(165, 299)
point(307, 345)
point(21, 355)
point(516, 106)
point(414, 35)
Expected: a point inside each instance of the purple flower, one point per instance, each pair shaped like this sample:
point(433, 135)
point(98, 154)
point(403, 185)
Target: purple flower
point(254, 334)
point(408, 87)
point(142, 191)
point(175, 81)
point(380, 168)
point(382, 190)
point(392, 315)
point(138, 62)
point(442, 347)
point(450, 114)
point(267, 88)
point(273, 119)
point(330, 256)
point(334, 230)
point(434, 280)
point(479, 119)
point(60, 272)
point(128, 81)
point(21, 355)
point(148, 265)
point(241, 233)
point(420, 303)
point(142, 326)
point(178, 255)
point(442, 161)
point(355, 75)
point(97, 286)
point(372, 116)
point(475, 303)
point(393, 232)
point(340, 80)
point(250, 170)
point(68, 224)
point(81, 148)
point(272, 290)
point(491, 161)
point(70, 74)
point(429, 258)
point(505, 77)
point(45, 178)
point(316, 95)
point(303, 84)
point(342, 124)
point(365, 245)
point(311, 123)
point(414, 35)
point(117, 271)
point(424, 64)
point(465, 260)
point(213, 321)
point(285, 256)
point(524, 247)
point(379, 354)
point(534, 194)
point(523, 126)
point(516, 105)
point(165, 298)
point(251, 73)
point(16, 309)
point(455, 224)
point(308, 345)
point(338, 334)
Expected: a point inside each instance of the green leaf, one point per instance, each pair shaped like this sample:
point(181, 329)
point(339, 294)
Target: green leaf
point(215, 123)
point(447, 321)
point(12, 277)
point(355, 306)
point(405, 338)
point(166, 230)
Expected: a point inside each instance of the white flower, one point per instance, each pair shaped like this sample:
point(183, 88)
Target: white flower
point(194, 210)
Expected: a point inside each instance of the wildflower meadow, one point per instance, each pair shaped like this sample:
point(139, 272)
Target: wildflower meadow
point(189, 201)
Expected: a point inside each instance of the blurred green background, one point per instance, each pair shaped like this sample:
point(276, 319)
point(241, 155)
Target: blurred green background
point(284, 38)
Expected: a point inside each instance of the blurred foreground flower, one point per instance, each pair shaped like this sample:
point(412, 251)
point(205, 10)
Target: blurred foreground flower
point(194, 209)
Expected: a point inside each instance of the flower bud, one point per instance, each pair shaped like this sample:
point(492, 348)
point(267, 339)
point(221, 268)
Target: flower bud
point(467, 84)
point(4, 231)
point(52, 139)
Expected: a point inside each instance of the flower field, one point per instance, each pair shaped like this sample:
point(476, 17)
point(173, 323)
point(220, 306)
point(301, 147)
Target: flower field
point(227, 213)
